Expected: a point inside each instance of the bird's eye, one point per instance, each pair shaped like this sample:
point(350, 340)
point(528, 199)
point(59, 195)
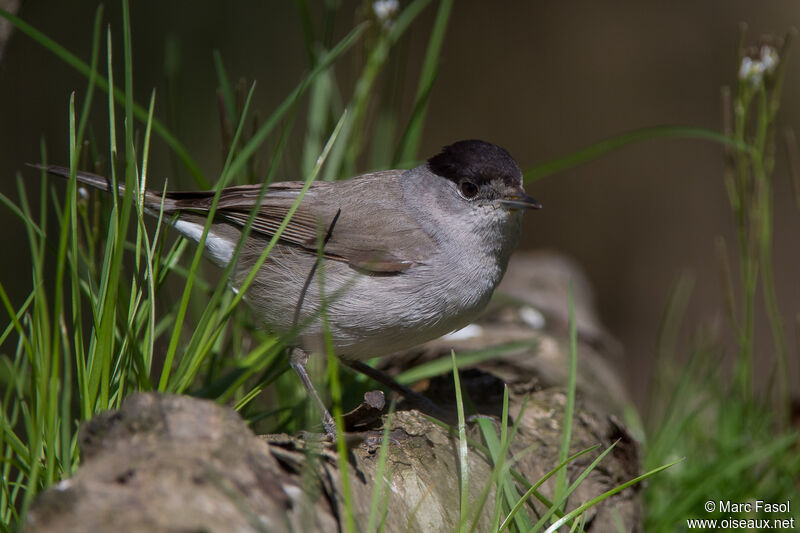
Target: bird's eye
point(468, 189)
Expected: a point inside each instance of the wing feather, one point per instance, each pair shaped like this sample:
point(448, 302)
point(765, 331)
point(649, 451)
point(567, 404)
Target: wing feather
point(353, 241)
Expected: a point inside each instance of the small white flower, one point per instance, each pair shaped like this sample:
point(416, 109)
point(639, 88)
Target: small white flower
point(746, 68)
point(385, 10)
point(753, 69)
point(769, 58)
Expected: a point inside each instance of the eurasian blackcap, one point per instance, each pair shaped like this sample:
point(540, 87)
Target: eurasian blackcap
point(408, 255)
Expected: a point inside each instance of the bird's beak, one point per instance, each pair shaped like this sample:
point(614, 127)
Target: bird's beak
point(518, 199)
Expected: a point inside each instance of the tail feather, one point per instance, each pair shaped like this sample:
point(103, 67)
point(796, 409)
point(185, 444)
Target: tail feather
point(152, 200)
point(219, 244)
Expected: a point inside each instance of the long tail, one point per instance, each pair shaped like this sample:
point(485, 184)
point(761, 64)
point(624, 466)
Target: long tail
point(189, 206)
point(152, 200)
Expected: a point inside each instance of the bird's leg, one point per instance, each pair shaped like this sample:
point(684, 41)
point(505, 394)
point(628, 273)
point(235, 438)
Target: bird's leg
point(298, 359)
point(420, 401)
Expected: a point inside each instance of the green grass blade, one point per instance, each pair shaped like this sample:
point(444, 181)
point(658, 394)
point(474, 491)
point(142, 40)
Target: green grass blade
point(16, 321)
point(499, 451)
point(184, 305)
point(143, 245)
point(307, 26)
point(15, 324)
point(242, 290)
point(612, 144)
point(342, 160)
point(78, 342)
point(319, 116)
point(333, 366)
point(225, 87)
point(594, 501)
point(29, 223)
point(569, 409)
point(560, 499)
point(463, 456)
point(380, 488)
point(249, 149)
point(112, 123)
point(212, 322)
point(407, 150)
point(92, 74)
point(443, 365)
point(728, 470)
point(508, 485)
point(485, 451)
point(336, 401)
point(127, 51)
point(532, 489)
point(301, 194)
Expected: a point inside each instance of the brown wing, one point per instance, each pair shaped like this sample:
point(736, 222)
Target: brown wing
point(359, 236)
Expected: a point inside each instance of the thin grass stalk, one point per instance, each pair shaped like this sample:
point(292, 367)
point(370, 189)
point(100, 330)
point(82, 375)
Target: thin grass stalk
point(25, 455)
point(463, 455)
point(560, 499)
point(323, 94)
point(532, 489)
point(594, 501)
point(336, 397)
point(606, 146)
point(213, 321)
point(759, 99)
point(78, 343)
point(440, 366)
point(506, 490)
point(485, 451)
point(225, 177)
point(499, 450)
point(225, 89)
point(150, 249)
point(215, 318)
point(499, 477)
point(768, 108)
point(569, 409)
point(505, 486)
point(409, 144)
point(133, 342)
point(249, 149)
point(343, 159)
point(380, 480)
point(232, 167)
point(748, 263)
point(244, 286)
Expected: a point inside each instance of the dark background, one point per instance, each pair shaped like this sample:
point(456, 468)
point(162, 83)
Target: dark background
point(541, 79)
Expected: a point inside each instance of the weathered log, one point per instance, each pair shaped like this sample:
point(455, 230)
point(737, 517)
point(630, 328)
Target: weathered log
point(175, 463)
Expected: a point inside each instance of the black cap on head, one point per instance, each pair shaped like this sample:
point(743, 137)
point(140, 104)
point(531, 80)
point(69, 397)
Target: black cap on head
point(476, 160)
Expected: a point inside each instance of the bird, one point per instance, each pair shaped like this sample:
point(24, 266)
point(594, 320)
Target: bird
point(395, 257)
